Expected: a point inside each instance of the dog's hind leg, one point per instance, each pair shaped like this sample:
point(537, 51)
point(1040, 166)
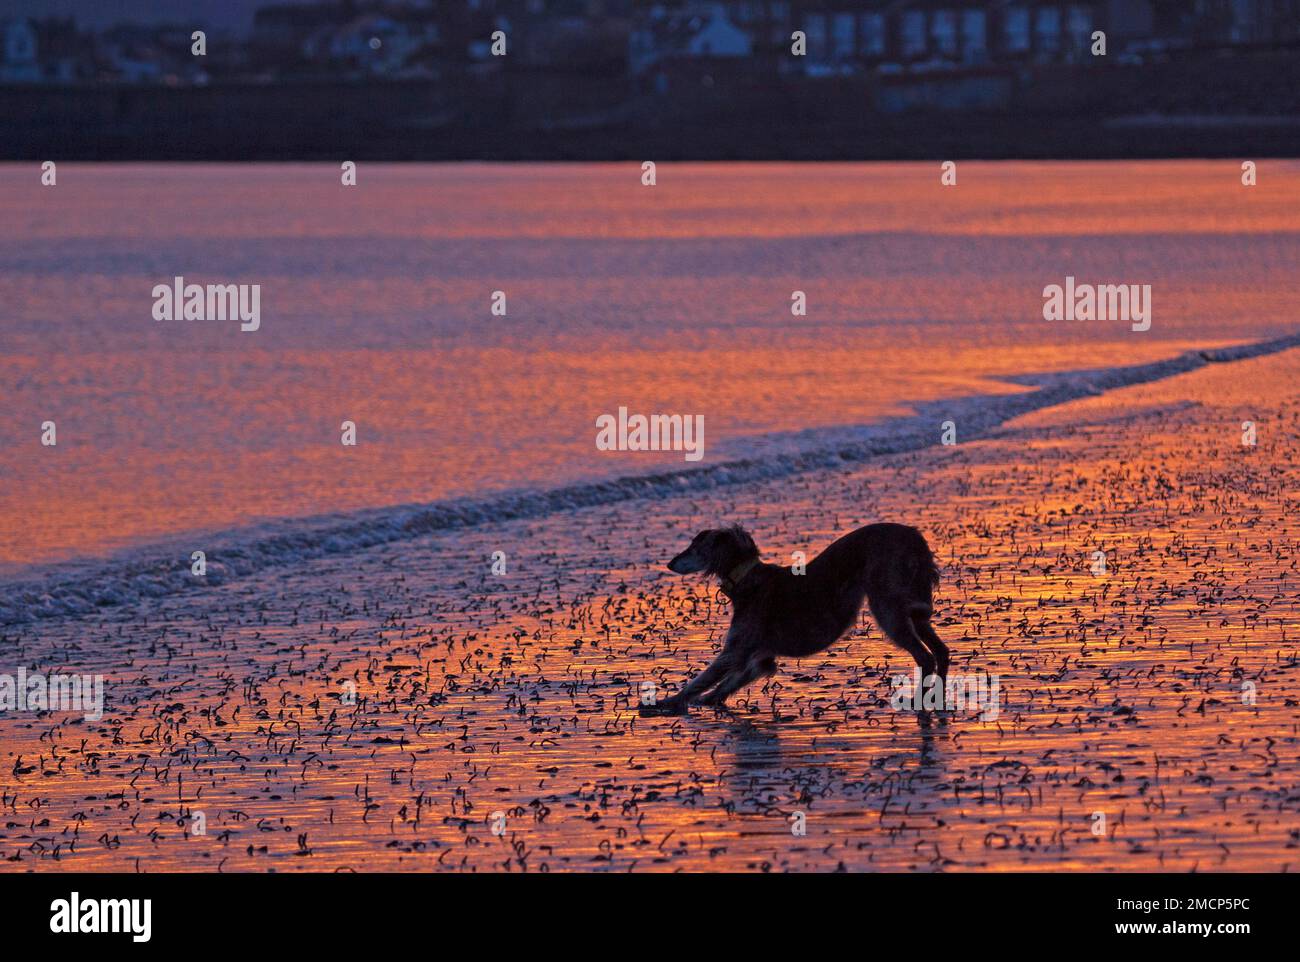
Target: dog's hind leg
point(921, 622)
point(896, 622)
point(753, 669)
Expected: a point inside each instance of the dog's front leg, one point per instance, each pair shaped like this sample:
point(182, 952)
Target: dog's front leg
point(752, 670)
point(680, 702)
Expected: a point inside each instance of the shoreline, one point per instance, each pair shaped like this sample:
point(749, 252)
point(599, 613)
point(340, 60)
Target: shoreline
point(83, 586)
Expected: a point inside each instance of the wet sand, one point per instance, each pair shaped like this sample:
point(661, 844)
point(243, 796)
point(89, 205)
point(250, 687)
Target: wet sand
point(484, 697)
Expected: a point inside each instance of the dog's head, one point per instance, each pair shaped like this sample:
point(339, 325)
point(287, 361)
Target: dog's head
point(716, 551)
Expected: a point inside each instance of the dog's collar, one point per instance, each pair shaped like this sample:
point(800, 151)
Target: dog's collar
point(738, 574)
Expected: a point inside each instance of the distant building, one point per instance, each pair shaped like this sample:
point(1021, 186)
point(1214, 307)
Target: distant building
point(66, 54)
point(1260, 21)
point(865, 36)
point(942, 33)
point(281, 29)
point(372, 43)
point(1149, 28)
point(347, 39)
point(663, 44)
point(703, 32)
point(149, 54)
point(568, 35)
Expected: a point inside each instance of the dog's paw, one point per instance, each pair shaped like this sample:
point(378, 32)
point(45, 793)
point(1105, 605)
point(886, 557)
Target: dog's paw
point(669, 706)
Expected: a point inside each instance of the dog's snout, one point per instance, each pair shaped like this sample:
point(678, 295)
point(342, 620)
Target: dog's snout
point(685, 564)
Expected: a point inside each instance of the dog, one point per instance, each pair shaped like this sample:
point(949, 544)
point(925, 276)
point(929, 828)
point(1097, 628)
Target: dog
point(780, 614)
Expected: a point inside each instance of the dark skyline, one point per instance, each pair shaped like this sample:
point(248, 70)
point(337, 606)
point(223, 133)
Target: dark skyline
point(226, 14)
point(904, 80)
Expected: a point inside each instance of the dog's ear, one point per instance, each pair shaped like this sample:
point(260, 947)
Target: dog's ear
point(702, 541)
point(742, 539)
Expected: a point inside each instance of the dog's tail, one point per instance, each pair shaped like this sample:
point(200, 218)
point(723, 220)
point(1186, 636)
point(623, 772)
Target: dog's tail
point(925, 578)
point(925, 565)
point(931, 569)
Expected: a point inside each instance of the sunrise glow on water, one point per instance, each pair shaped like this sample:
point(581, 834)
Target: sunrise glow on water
point(376, 309)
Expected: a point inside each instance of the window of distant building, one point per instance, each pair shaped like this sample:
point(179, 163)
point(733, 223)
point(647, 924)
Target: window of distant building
point(1048, 29)
point(842, 36)
point(1015, 29)
point(816, 31)
point(974, 41)
point(1243, 28)
point(913, 33)
point(19, 42)
point(1079, 28)
point(871, 33)
point(943, 27)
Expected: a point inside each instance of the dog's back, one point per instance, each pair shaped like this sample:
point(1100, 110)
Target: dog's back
point(890, 564)
point(883, 561)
